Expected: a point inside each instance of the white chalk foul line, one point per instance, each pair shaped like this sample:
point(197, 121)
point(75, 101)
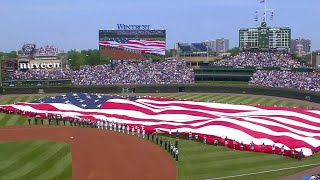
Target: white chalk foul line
point(248, 174)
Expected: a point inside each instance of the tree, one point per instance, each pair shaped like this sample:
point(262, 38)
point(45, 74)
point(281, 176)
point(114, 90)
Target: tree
point(234, 51)
point(76, 59)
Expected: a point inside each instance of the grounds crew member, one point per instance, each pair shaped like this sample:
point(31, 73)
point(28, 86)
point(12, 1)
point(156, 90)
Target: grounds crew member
point(234, 144)
point(196, 137)
point(204, 140)
point(263, 147)
point(177, 134)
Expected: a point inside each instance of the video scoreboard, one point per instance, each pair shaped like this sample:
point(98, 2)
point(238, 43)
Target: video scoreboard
point(265, 38)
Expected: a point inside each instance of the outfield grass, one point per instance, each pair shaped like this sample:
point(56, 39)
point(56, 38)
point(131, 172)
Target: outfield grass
point(197, 161)
point(36, 160)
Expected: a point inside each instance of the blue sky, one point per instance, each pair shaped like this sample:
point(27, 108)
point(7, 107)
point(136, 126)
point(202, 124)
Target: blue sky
point(71, 24)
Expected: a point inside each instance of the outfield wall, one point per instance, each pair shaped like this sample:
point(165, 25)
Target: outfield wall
point(190, 88)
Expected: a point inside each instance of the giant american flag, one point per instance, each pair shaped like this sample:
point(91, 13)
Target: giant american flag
point(294, 128)
point(136, 45)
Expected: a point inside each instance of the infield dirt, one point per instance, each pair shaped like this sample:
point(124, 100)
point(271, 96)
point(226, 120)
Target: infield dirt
point(102, 154)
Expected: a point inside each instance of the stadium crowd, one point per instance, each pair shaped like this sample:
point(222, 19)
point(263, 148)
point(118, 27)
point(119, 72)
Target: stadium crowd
point(162, 72)
point(260, 59)
point(287, 79)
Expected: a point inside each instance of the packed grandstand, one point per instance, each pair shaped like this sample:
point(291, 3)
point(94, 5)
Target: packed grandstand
point(177, 72)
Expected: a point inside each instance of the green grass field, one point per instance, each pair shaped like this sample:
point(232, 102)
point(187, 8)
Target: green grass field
point(35, 160)
point(197, 161)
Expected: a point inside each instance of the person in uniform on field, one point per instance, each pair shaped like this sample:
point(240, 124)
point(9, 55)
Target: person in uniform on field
point(216, 142)
point(234, 144)
point(226, 141)
point(190, 135)
point(252, 146)
point(128, 129)
point(282, 150)
point(263, 147)
point(165, 144)
point(64, 121)
point(176, 143)
point(41, 120)
point(273, 148)
point(177, 134)
point(171, 148)
point(161, 141)
point(174, 152)
point(111, 125)
point(107, 125)
point(132, 130)
point(36, 120)
point(157, 139)
point(103, 124)
point(177, 155)
point(204, 140)
point(143, 132)
point(313, 151)
point(241, 146)
point(29, 120)
point(293, 154)
point(123, 128)
point(138, 132)
point(120, 127)
point(196, 137)
point(148, 136)
point(152, 137)
point(170, 132)
point(301, 155)
point(49, 119)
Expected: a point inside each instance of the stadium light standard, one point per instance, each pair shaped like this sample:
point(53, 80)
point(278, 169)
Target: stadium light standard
point(310, 54)
point(207, 43)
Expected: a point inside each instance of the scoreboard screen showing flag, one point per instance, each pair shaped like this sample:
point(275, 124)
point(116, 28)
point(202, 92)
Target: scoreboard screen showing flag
point(132, 44)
